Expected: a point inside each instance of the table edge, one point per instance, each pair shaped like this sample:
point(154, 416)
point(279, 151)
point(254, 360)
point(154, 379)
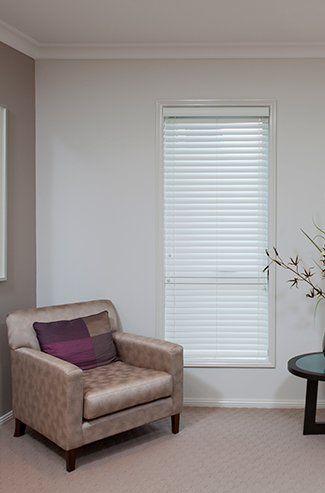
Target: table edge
point(304, 373)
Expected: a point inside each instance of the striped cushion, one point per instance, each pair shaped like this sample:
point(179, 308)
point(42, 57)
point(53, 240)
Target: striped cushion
point(86, 342)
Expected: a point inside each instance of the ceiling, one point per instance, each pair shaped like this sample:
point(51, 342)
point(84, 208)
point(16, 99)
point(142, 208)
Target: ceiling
point(167, 23)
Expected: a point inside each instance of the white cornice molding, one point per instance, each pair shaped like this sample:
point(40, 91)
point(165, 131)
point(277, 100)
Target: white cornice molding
point(180, 51)
point(150, 51)
point(18, 40)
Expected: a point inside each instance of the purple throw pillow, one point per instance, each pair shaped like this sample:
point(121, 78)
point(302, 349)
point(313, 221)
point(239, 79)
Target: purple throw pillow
point(86, 342)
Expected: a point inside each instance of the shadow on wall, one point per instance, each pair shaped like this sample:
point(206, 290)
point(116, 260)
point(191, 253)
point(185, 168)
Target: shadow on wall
point(5, 377)
point(291, 381)
point(198, 386)
point(300, 386)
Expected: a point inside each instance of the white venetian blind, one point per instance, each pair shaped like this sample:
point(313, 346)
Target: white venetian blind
point(216, 232)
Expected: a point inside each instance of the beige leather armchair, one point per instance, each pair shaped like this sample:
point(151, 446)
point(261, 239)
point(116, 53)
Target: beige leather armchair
point(73, 407)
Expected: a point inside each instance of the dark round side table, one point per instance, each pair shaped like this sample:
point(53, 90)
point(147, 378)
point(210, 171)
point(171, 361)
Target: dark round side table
point(312, 367)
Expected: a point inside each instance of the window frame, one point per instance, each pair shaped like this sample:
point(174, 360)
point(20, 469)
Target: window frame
point(160, 267)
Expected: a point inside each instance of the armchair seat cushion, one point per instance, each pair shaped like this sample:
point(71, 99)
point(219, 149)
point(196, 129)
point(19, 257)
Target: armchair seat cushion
point(118, 386)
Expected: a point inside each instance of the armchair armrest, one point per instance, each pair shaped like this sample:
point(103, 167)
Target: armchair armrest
point(155, 354)
point(48, 395)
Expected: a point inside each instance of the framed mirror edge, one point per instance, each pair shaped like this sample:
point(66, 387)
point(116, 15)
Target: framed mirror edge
point(3, 193)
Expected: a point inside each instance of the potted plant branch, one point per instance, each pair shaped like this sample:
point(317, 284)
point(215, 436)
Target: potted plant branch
point(312, 276)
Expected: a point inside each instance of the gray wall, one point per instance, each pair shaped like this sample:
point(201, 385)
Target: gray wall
point(97, 201)
point(17, 94)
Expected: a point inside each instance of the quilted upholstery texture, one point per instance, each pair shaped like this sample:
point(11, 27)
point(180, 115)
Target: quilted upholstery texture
point(147, 352)
point(20, 323)
point(111, 424)
point(48, 393)
point(48, 396)
point(118, 386)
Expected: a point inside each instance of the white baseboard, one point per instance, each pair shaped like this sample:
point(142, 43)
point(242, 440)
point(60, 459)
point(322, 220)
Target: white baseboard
point(210, 402)
point(6, 417)
point(259, 403)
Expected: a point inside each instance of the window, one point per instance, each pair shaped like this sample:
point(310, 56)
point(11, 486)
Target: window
point(218, 221)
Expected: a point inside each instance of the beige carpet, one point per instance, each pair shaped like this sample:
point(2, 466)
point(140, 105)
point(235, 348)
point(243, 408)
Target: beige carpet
point(217, 450)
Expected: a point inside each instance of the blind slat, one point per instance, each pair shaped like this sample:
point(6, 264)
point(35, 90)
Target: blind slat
point(216, 231)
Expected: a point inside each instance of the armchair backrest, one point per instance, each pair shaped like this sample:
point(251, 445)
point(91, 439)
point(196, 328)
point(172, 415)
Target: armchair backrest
point(20, 323)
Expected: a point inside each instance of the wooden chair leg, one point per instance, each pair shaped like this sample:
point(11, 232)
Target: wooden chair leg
point(70, 459)
point(175, 423)
point(20, 428)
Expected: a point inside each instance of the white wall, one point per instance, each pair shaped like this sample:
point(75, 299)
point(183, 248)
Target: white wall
point(96, 193)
